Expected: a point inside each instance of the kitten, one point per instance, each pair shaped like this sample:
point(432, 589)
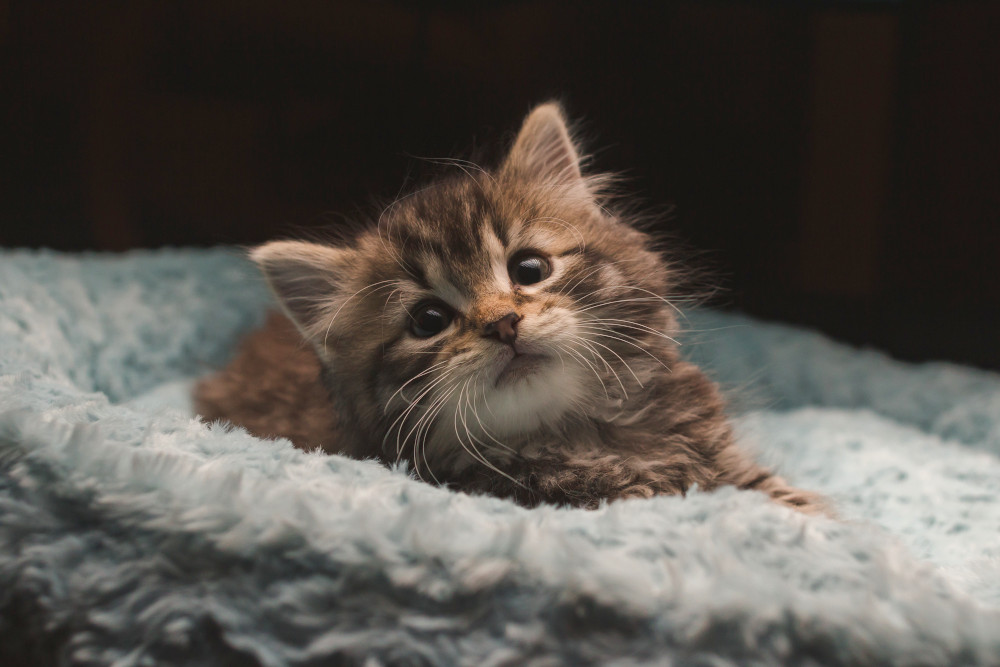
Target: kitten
point(502, 331)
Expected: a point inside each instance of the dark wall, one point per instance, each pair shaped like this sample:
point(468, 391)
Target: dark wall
point(841, 162)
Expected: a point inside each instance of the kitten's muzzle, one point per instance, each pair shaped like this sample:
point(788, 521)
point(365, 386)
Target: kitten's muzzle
point(503, 329)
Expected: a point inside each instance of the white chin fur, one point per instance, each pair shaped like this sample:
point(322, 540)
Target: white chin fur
point(490, 424)
point(538, 399)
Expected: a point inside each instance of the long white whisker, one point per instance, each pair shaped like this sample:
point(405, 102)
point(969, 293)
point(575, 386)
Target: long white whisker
point(426, 390)
point(420, 440)
point(457, 162)
point(624, 363)
point(454, 162)
point(437, 401)
point(562, 359)
point(592, 272)
point(486, 402)
point(470, 403)
point(570, 288)
point(598, 355)
point(378, 228)
point(472, 438)
point(601, 304)
point(401, 419)
point(615, 335)
point(458, 436)
point(579, 355)
point(653, 296)
point(633, 325)
point(379, 286)
point(429, 369)
point(410, 409)
point(381, 318)
point(424, 423)
point(460, 413)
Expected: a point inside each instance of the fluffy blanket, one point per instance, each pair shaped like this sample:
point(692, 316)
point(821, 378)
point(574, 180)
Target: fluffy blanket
point(132, 534)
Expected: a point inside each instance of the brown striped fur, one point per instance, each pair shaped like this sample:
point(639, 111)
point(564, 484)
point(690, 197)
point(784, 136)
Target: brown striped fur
point(608, 411)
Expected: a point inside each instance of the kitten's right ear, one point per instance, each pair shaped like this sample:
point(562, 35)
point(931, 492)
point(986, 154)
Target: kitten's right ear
point(544, 149)
point(306, 278)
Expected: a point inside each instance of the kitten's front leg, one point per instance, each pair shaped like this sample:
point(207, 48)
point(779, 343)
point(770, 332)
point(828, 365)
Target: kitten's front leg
point(781, 492)
point(585, 479)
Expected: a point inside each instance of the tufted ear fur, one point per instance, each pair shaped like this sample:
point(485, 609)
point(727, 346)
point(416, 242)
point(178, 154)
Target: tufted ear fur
point(544, 149)
point(307, 278)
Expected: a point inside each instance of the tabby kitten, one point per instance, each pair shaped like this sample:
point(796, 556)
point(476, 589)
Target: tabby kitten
point(502, 331)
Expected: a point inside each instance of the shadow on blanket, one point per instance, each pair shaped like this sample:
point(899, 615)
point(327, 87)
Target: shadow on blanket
point(130, 533)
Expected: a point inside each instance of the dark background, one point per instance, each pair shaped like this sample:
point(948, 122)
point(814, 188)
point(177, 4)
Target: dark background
point(841, 161)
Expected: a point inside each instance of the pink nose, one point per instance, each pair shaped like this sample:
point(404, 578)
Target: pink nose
point(505, 329)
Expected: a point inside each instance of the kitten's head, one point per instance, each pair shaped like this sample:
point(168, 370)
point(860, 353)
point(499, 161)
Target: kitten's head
point(484, 312)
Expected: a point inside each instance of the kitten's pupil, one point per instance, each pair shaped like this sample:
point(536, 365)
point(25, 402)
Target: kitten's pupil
point(430, 320)
point(529, 270)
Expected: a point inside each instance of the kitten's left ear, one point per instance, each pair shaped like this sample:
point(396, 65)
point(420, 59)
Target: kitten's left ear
point(544, 149)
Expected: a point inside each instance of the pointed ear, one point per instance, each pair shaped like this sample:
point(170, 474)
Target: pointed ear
point(544, 149)
point(307, 278)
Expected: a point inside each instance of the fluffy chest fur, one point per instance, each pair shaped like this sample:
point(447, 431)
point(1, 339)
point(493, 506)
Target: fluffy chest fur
point(502, 331)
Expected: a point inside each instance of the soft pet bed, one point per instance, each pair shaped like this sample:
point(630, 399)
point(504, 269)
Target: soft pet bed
point(132, 534)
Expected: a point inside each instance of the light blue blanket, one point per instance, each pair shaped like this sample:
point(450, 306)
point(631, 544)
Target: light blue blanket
point(132, 534)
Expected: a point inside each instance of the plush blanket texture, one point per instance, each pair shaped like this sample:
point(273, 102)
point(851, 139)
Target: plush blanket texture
point(132, 534)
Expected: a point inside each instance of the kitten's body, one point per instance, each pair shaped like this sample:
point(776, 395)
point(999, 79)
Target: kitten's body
point(554, 377)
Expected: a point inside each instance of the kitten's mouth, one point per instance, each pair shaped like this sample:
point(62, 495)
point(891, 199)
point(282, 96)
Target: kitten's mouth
point(521, 365)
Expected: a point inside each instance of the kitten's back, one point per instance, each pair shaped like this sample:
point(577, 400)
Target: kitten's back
point(272, 388)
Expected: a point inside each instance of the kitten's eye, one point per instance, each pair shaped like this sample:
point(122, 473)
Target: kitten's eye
point(529, 269)
point(429, 320)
